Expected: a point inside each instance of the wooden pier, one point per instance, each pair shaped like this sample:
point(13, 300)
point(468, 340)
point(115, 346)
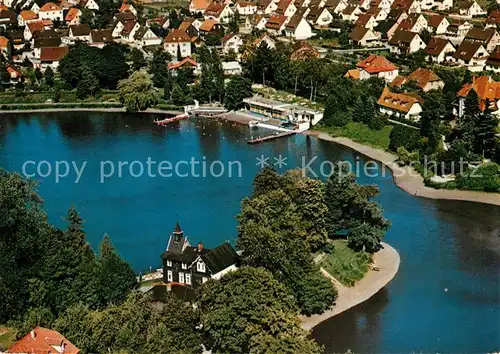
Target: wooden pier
point(271, 137)
point(171, 120)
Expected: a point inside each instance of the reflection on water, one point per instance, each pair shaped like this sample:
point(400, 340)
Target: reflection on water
point(445, 297)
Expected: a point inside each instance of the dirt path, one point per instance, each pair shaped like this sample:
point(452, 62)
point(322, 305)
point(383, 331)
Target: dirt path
point(387, 260)
point(407, 178)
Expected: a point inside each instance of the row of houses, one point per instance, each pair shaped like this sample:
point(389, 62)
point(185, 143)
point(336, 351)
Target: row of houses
point(409, 105)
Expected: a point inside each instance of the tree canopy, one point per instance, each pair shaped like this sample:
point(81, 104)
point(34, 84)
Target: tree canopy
point(137, 92)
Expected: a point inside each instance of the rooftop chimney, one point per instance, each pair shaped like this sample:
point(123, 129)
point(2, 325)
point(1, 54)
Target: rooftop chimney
point(33, 334)
point(200, 246)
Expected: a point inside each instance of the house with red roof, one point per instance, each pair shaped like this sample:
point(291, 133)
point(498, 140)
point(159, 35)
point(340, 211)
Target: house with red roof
point(198, 6)
point(403, 105)
point(51, 11)
point(219, 11)
point(377, 66)
point(185, 63)
point(439, 50)
point(177, 40)
point(5, 46)
point(366, 20)
point(43, 341)
point(50, 56)
point(286, 8)
point(26, 16)
point(276, 24)
point(126, 7)
point(73, 16)
point(488, 91)
point(438, 24)
point(246, 8)
point(425, 79)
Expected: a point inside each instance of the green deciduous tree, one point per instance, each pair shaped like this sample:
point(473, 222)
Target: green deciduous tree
point(159, 66)
point(237, 89)
point(137, 92)
point(137, 58)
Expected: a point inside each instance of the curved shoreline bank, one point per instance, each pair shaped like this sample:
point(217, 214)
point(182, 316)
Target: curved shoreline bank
point(83, 109)
point(407, 178)
point(387, 260)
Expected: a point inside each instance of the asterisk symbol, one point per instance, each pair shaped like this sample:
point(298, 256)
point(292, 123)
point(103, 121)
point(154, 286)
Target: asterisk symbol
point(262, 161)
point(280, 161)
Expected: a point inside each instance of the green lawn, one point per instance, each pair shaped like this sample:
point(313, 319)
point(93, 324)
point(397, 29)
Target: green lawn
point(344, 264)
point(164, 5)
point(7, 337)
point(66, 96)
point(361, 133)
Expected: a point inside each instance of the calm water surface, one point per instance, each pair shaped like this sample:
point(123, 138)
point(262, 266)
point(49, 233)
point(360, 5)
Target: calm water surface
point(443, 244)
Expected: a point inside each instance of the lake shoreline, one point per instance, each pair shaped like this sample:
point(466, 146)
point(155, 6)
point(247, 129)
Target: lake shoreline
point(83, 109)
point(387, 260)
point(407, 178)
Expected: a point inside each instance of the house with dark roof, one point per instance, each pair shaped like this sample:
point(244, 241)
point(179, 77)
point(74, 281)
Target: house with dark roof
point(405, 42)
point(438, 24)
point(286, 8)
point(458, 28)
point(366, 20)
point(298, 27)
point(144, 37)
point(351, 13)
point(364, 36)
point(488, 37)
point(336, 6)
point(409, 6)
point(100, 38)
point(493, 19)
point(219, 11)
point(471, 54)
point(439, 50)
point(79, 33)
point(276, 24)
point(379, 13)
point(319, 16)
point(303, 50)
point(493, 62)
point(42, 341)
point(191, 266)
point(471, 8)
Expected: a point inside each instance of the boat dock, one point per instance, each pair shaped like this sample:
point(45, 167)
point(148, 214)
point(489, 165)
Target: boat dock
point(171, 120)
point(271, 137)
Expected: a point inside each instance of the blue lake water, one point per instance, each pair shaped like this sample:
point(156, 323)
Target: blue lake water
point(443, 244)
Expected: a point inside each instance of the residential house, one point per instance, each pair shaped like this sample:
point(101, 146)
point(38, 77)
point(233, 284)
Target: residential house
point(231, 43)
point(90, 4)
point(266, 7)
point(7, 18)
point(405, 42)
point(488, 91)
point(493, 62)
point(191, 26)
point(198, 6)
point(379, 13)
point(415, 22)
point(471, 8)
point(100, 38)
point(210, 26)
point(186, 63)
point(438, 24)
point(298, 27)
point(26, 16)
point(408, 6)
point(439, 50)
point(79, 32)
point(401, 105)
point(425, 79)
point(443, 5)
point(377, 66)
point(43, 340)
point(265, 39)
point(15, 76)
point(286, 8)
point(231, 68)
point(493, 19)
point(276, 24)
point(319, 16)
point(246, 8)
point(363, 4)
point(458, 28)
point(219, 12)
point(302, 50)
point(31, 28)
point(471, 54)
point(124, 17)
point(45, 42)
point(193, 266)
point(162, 22)
point(73, 16)
point(17, 38)
point(257, 21)
point(5, 46)
point(144, 37)
point(351, 13)
point(126, 7)
point(34, 7)
point(50, 57)
point(488, 37)
point(129, 30)
point(177, 40)
point(336, 6)
point(51, 11)
point(366, 21)
point(382, 4)
point(364, 37)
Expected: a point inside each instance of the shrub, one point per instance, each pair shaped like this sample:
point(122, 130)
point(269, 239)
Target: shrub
point(406, 137)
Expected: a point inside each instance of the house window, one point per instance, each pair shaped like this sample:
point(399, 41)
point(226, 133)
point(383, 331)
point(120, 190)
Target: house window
point(181, 277)
point(169, 275)
point(184, 266)
point(169, 263)
point(200, 267)
point(188, 279)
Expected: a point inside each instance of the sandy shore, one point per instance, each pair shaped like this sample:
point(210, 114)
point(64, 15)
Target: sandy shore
point(387, 260)
point(407, 178)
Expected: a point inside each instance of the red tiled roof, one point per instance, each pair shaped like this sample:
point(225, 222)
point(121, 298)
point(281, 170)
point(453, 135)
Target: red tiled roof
point(376, 64)
point(186, 61)
point(436, 45)
point(4, 42)
point(398, 101)
point(50, 6)
point(435, 20)
point(363, 20)
point(208, 25)
point(43, 341)
point(276, 22)
point(35, 26)
point(177, 36)
point(485, 87)
point(28, 15)
point(199, 4)
point(53, 54)
point(72, 13)
point(421, 76)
